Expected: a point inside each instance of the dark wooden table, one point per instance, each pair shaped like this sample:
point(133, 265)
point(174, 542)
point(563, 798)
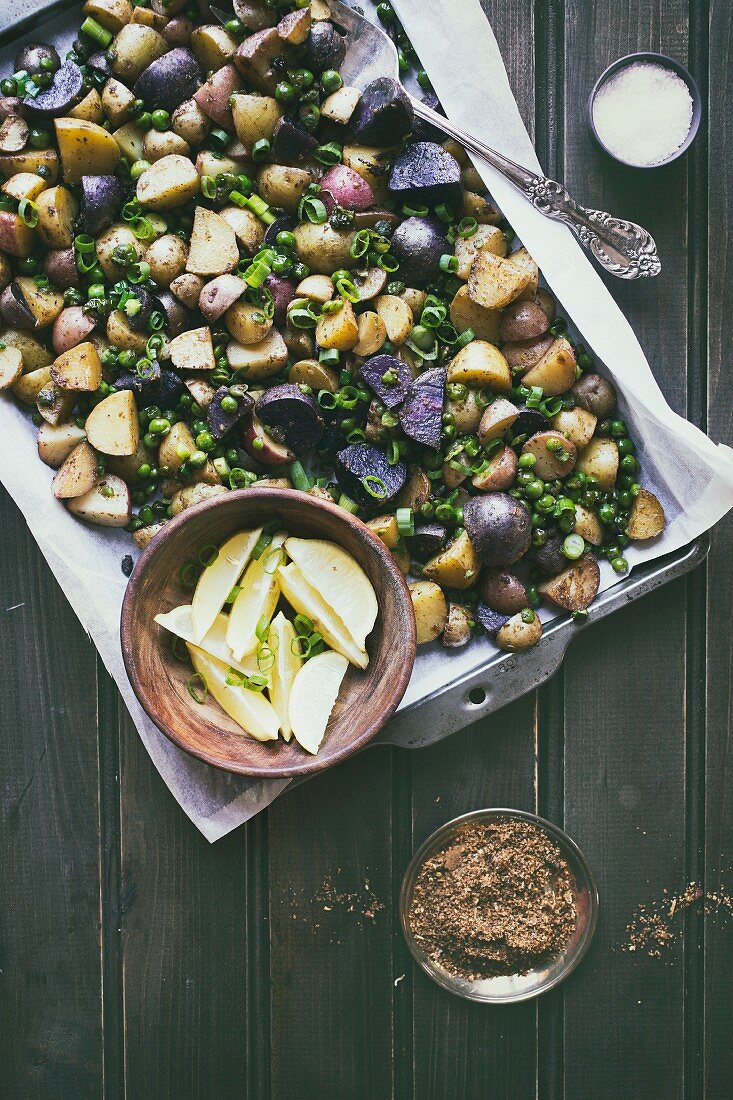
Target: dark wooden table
point(136, 959)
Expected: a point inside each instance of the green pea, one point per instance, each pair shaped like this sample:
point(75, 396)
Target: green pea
point(160, 119)
point(198, 459)
point(620, 565)
point(285, 92)
point(146, 514)
point(144, 470)
point(527, 461)
point(151, 441)
point(618, 428)
point(628, 464)
point(606, 513)
point(159, 426)
point(285, 239)
point(625, 447)
point(331, 81)
point(229, 404)
point(205, 441)
point(535, 489)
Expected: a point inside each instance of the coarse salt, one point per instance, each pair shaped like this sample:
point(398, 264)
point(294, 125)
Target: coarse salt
point(643, 113)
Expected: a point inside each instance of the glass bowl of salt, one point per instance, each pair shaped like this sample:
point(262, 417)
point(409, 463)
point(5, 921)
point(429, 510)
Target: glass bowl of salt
point(644, 110)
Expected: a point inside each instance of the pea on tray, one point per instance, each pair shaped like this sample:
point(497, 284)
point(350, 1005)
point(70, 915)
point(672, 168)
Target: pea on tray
point(221, 266)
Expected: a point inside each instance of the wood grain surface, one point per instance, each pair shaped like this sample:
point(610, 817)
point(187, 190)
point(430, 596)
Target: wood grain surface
point(138, 961)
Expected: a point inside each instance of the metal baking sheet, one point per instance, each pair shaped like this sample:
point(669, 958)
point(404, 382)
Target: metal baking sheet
point(449, 690)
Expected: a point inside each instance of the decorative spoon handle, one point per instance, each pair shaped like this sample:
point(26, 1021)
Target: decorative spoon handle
point(623, 248)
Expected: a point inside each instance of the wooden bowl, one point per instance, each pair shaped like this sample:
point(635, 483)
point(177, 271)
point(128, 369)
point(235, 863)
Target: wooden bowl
point(367, 697)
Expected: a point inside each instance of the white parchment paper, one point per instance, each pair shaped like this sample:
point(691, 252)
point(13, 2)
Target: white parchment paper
point(692, 475)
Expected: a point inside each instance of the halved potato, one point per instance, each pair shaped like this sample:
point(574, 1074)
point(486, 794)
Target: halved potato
point(372, 334)
point(282, 186)
point(465, 314)
point(415, 491)
point(247, 323)
point(259, 360)
point(574, 588)
point(340, 105)
point(396, 316)
point(555, 371)
point(193, 350)
point(179, 438)
point(90, 108)
point(497, 418)
point(588, 525)
point(487, 238)
point(16, 238)
point(24, 185)
point(319, 288)
point(555, 455)
point(85, 149)
point(135, 47)
point(29, 385)
point(498, 473)
point(431, 610)
point(371, 164)
point(77, 475)
point(112, 14)
point(647, 519)
point(45, 305)
point(255, 117)
point(324, 249)
point(482, 366)
point(54, 404)
point(80, 368)
point(457, 566)
point(213, 46)
point(117, 101)
point(108, 504)
point(213, 249)
point(57, 210)
point(600, 459)
point(521, 632)
point(495, 282)
point(338, 330)
point(385, 528)
point(112, 425)
point(122, 336)
point(35, 355)
point(30, 160)
point(576, 424)
point(57, 441)
point(130, 140)
point(168, 183)
point(458, 629)
point(11, 366)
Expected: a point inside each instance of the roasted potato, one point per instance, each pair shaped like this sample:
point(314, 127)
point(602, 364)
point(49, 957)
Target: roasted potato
point(385, 528)
point(600, 459)
point(282, 186)
point(482, 366)
point(135, 47)
point(194, 494)
point(459, 626)
point(112, 425)
point(80, 368)
point(85, 148)
point(497, 418)
point(431, 610)
point(415, 491)
point(588, 525)
point(340, 105)
point(167, 258)
point(487, 238)
point(338, 330)
point(372, 334)
point(247, 324)
point(193, 350)
point(260, 360)
point(576, 424)
point(108, 504)
point(465, 314)
point(116, 237)
point(122, 336)
point(647, 519)
point(57, 441)
point(555, 371)
point(248, 229)
point(77, 475)
point(575, 587)
point(495, 282)
point(322, 248)
point(57, 210)
point(498, 473)
point(255, 117)
point(555, 455)
point(521, 632)
point(396, 316)
point(168, 183)
point(457, 566)
point(11, 366)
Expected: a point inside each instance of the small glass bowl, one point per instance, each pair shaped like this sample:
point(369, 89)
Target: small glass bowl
point(508, 989)
point(667, 63)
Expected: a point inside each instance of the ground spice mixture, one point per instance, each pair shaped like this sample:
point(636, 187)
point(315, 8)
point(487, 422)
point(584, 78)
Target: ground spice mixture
point(496, 899)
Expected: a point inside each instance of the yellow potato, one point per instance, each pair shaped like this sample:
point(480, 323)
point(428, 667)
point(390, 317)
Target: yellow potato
point(555, 371)
point(338, 330)
point(193, 350)
point(85, 149)
point(431, 610)
point(57, 210)
point(457, 566)
point(213, 249)
point(495, 282)
point(259, 360)
point(255, 117)
point(135, 47)
point(168, 183)
point(90, 108)
point(396, 316)
point(482, 366)
point(600, 460)
point(247, 323)
point(24, 185)
point(487, 238)
point(80, 368)
point(465, 314)
point(647, 518)
point(112, 425)
point(372, 334)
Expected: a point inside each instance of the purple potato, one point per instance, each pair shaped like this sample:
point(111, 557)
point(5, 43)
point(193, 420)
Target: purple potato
point(128, 380)
point(325, 48)
point(492, 621)
point(165, 390)
point(34, 59)
point(292, 416)
point(418, 244)
point(549, 558)
point(283, 291)
point(101, 199)
point(291, 142)
point(65, 91)
point(176, 315)
point(529, 421)
point(425, 131)
point(372, 370)
point(426, 173)
point(421, 414)
point(499, 527)
point(14, 308)
point(429, 539)
point(283, 224)
point(101, 63)
point(149, 303)
point(363, 472)
point(384, 114)
point(221, 421)
point(169, 81)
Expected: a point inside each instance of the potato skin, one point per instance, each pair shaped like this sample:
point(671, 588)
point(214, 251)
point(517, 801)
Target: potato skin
point(647, 519)
point(457, 631)
point(431, 610)
point(517, 634)
point(502, 591)
point(575, 587)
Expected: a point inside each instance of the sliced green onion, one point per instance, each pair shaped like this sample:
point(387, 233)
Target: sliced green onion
point(329, 154)
point(265, 658)
point(467, 227)
point(208, 187)
point(330, 357)
point(360, 244)
point(300, 647)
point(465, 338)
point(388, 262)
point(298, 475)
point(313, 209)
point(96, 32)
point(414, 211)
point(303, 625)
point(198, 689)
point(189, 574)
point(448, 264)
point(405, 521)
point(28, 212)
point(375, 486)
point(272, 561)
point(139, 273)
point(444, 213)
point(348, 504)
point(551, 406)
point(207, 555)
point(347, 289)
point(260, 149)
point(233, 594)
point(573, 547)
point(334, 306)
point(263, 628)
point(142, 229)
point(256, 274)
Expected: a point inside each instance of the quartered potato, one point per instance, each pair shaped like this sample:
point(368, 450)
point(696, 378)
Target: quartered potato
point(555, 371)
point(108, 504)
point(431, 610)
point(457, 566)
point(481, 365)
point(168, 183)
point(78, 474)
point(575, 587)
point(600, 459)
point(112, 425)
point(338, 330)
point(487, 238)
point(521, 632)
point(495, 282)
point(213, 249)
point(193, 350)
point(647, 519)
point(256, 361)
point(396, 316)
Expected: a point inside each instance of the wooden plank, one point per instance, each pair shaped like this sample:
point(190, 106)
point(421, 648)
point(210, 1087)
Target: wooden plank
point(184, 942)
point(625, 684)
point(718, 1051)
point(331, 934)
point(50, 1010)
point(461, 1049)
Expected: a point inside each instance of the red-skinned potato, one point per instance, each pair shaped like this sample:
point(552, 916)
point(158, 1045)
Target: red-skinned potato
point(213, 96)
point(523, 321)
point(60, 267)
point(219, 294)
point(262, 447)
point(72, 326)
point(555, 455)
point(16, 238)
point(502, 591)
point(499, 474)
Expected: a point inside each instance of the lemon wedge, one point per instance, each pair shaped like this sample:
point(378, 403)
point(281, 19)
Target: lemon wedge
point(308, 601)
point(285, 668)
point(312, 697)
point(340, 580)
point(179, 622)
point(257, 597)
point(249, 709)
point(218, 579)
